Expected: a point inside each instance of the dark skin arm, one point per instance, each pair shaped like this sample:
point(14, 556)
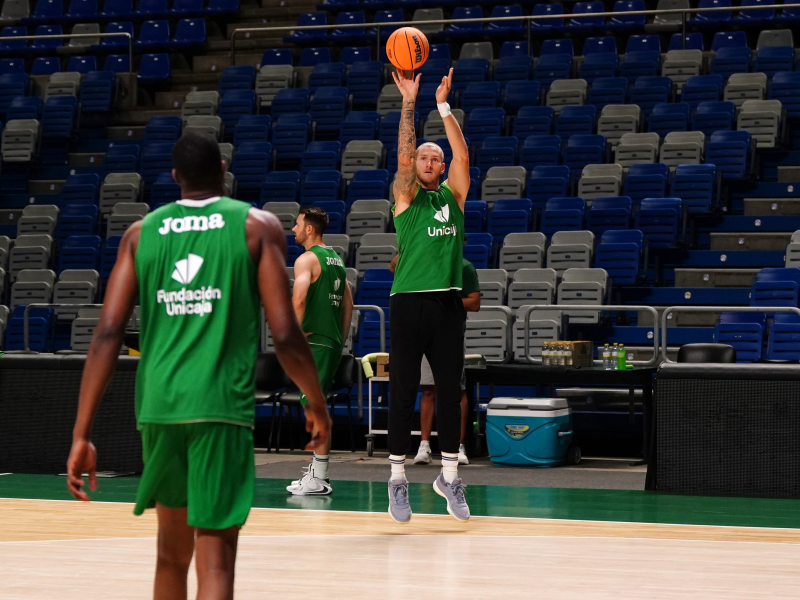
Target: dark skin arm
point(472, 303)
point(267, 245)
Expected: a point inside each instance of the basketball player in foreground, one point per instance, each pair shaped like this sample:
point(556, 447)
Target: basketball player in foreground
point(323, 304)
point(427, 315)
point(198, 267)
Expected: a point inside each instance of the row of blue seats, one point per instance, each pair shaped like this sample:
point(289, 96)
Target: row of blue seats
point(154, 67)
point(52, 11)
point(97, 94)
point(153, 35)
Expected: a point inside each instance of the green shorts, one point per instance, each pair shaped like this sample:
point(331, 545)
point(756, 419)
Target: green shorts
point(327, 359)
point(206, 467)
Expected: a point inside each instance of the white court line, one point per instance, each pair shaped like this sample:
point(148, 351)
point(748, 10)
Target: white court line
point(547, 519)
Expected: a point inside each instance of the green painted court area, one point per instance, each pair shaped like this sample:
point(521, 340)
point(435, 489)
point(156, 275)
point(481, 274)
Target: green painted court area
point(494, 501)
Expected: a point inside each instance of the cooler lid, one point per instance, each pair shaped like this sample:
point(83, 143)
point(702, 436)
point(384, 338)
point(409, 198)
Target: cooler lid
point(528, 404)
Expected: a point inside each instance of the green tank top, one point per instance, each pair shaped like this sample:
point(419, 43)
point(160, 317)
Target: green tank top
point(430, 240)
point(200, 314)
point(323, 315)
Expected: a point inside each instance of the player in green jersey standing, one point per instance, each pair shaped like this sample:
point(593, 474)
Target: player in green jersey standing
point(323, 304)
point(199, 267)
point(426, 314)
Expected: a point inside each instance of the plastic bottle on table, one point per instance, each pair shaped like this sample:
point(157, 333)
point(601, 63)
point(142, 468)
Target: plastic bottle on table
point(606, 353)
point(613, 358)
point(567, 354)
point(621, 357)
point(546, 354)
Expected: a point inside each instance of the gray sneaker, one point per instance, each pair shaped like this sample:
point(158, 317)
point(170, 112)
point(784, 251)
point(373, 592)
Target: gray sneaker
point(399, 508)
point(454, 494)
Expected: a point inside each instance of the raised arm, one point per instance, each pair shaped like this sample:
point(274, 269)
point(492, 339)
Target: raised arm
point(121, 294)
point(267, 243)
point(458, 175)
point(405, 183)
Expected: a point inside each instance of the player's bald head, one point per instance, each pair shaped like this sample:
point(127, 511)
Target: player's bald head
point(431, 147)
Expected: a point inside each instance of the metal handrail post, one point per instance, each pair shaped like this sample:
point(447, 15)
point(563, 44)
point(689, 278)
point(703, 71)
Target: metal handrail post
point(83, 35)
point(673, 309)
point(381, 320)
point(509, 350)
point(26, 326)
point(683, 30)
point(597, 308)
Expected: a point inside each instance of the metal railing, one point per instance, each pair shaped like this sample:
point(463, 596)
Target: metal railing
point(674, 309)
point(382, 322)
point(509, 349)
point(593, 308)
point(26, 326)
point(524, 18)
point(82, 35)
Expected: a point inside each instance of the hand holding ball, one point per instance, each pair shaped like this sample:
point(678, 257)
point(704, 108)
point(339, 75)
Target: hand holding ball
point(407, 48)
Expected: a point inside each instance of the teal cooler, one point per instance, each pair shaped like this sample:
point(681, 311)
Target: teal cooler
point(529, 431)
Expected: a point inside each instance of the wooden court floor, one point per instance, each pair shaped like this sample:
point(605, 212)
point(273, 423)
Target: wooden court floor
point(55, 548)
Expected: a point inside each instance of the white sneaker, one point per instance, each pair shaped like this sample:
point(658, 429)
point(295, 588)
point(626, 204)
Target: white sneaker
point(423, 456)
point(307, 476)
point(462, 455)
point(313, 486)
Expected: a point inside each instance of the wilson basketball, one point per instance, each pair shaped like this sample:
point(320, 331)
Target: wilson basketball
point(407, 48)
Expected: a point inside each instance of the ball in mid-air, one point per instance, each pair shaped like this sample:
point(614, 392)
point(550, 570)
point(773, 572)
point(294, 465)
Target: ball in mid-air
point(407, 48)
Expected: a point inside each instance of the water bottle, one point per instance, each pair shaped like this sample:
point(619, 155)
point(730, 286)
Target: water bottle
point(613, 357)
point(546, 354)
point(621, 357)
point(606, 357)
point(567, 354)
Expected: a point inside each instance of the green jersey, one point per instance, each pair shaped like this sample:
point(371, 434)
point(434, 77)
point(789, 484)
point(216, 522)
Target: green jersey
point(200, 314)
point(469, 279)
point(323, 314)
point(430, 240)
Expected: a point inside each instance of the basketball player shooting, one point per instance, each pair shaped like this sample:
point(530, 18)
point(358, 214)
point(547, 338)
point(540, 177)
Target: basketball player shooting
point(199, 267)
point(427, 315)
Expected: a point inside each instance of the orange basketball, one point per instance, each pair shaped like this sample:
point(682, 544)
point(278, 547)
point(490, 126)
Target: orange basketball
point(407, 48)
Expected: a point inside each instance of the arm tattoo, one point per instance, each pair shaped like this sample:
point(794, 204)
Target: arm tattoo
point(407, 141)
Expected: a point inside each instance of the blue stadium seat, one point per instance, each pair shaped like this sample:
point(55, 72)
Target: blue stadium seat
point(700, 88)
point(359, 125)
point(280, 186)
point(11, 86)
point(80, 189)
point(152, 9)
point(659, 219)
point(784, 337)
point(7, 42)
point(456, 29)
point(519, 94)
point(364, 81)
point(59, 117)
point(548, 181)
point(483, 94)
point(646, 181)
point(40, 329)
point(600, 58)
point(642, 57)
point(533, 120)
point(714, 116)
point(81, 10)
point(505, 28)
point(434, 69)
point(728, 61)
point(163, 129)
point(512, 49)
point(97, 91)
point(513, 69)
point(311, 57)
point(320, 185)
point(511, 215)
point(250, 166)
point(154, 68)
point(368, 184)
point(188, 33)
point(47, 11)
point(241, 77)
point(426, 99)
point(585, 24)
point(627, 22)
point(788, 16)
point(468, 70)
point(290, 101)
point(46, 65)
point(694, 41)
point(221, 7)
point(728, 39)
point(77, 219)
point(667, 117)
point(308, 35)
point(563, 214)
point(321, 156)
point(290, 136)
point(352, 55)
point(155, 160)
point(775, 287)
point(24, 107)
point(117, 43)
point(12, 66)
point(711, 19)
point(484, 122)
point(48, 44)
point(276, 56)
point(555, 61)
point(478, 249)
point(649, 91)
point(746, 337)
point(164, 190)
point(755, 17)
point(326, 75)
point(108, 256)
point(389, 127)
point(153, 35)
point(475, 216)
point(234, 105)
point(785, 87)
point(620, 254)
point(252, 128)
point(607, 90)
point(730, 152)
point(576, 120)
point(336, 211)
point(374, 288)
point(328, 108)
point(497, 151)
point(386, 18)
point(80, 251)
point(82, 64)
point(438, 51)
point(346, 35)
point(117, 63)
point(609, 213)
point(543, 26)
point(695, 185)
point(540, 150)
point(773, 60)
point(121, 158)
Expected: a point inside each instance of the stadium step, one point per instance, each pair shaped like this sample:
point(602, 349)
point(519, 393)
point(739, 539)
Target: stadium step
point(772, 206)
point(715, 277)
point(217, 63)
point(125, 133)
point(45, 186)
point(788, 174)
point(140, 117)
point(170, 100)
point(86, 159)
point(750, 241)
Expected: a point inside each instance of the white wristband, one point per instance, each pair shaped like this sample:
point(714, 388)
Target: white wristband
point(444, 109)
